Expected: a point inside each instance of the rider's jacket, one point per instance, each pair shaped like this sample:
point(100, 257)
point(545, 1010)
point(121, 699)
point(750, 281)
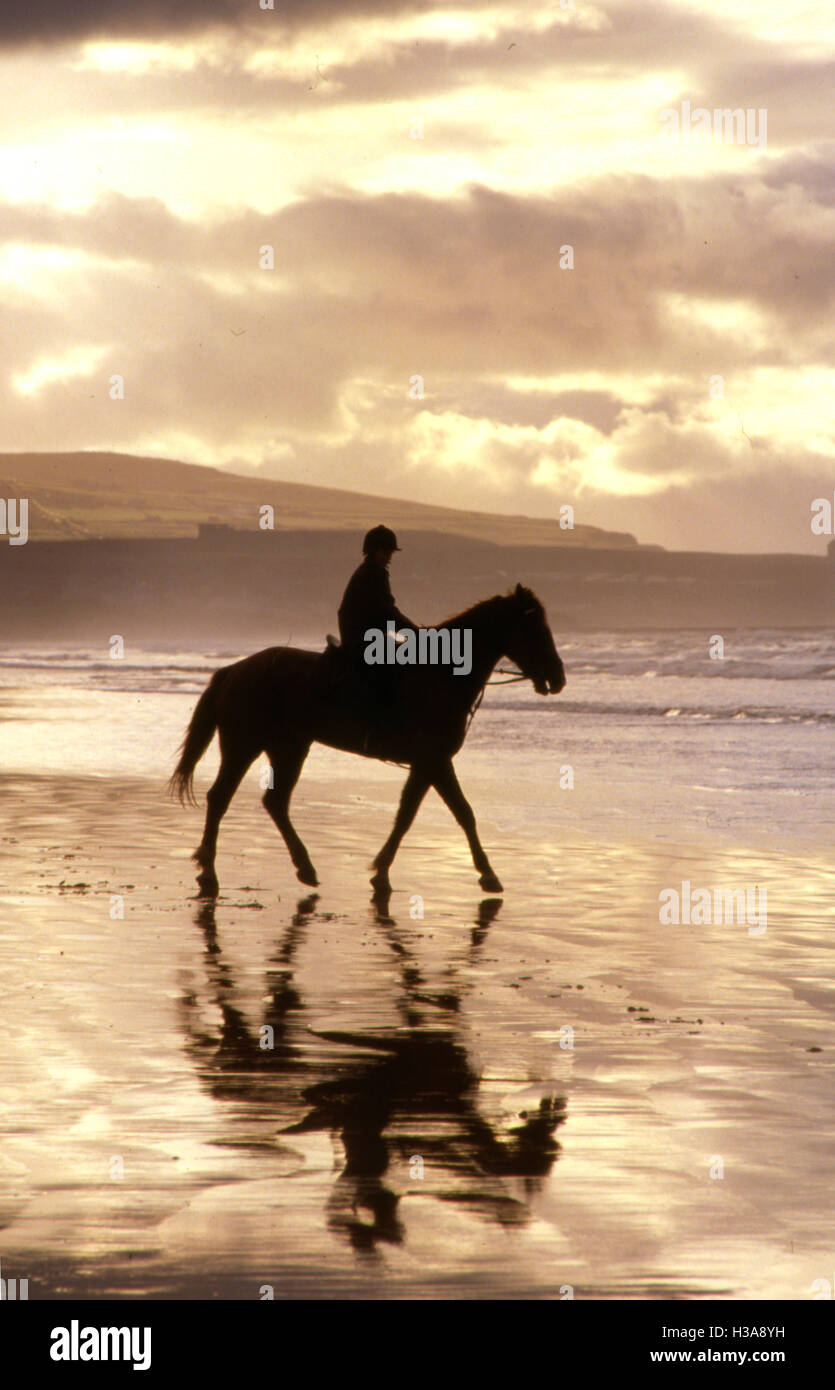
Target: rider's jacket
point(367, 602)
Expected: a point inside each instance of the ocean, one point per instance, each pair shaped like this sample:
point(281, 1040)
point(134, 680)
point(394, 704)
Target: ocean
point(739, 745)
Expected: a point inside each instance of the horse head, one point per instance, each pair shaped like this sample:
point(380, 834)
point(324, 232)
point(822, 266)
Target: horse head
point(531, 645)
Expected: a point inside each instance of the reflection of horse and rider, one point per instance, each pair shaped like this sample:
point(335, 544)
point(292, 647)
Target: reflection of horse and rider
point(386, 1092)
point(280, 701)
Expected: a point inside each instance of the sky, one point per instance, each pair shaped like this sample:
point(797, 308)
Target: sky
point(482, 255)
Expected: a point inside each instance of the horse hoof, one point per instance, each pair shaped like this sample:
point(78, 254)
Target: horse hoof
point(208, 885)
point(381, 898)
point(490, 883)
point(308, 875)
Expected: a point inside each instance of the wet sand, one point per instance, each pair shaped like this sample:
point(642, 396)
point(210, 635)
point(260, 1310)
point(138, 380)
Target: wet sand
point(422, 1125)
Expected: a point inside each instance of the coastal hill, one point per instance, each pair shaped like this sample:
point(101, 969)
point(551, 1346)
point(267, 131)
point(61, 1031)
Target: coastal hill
point(91, 496)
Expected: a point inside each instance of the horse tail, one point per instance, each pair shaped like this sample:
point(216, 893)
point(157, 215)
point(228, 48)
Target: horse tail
point(199, 735)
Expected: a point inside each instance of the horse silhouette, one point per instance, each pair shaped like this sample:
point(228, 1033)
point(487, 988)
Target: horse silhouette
point(279, 701)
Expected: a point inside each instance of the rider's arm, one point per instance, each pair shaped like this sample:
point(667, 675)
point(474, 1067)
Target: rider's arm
point(402, 621)
point(392, 611)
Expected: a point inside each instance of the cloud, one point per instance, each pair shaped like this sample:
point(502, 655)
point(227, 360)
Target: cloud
point(811, 172)
point(430, 279)
point(494, 400)
point(52, 21)
point(672, 286)
point(55, 21)
point(438, 259)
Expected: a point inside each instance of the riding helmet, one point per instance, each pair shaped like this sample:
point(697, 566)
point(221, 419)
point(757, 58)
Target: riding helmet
point(379, 538)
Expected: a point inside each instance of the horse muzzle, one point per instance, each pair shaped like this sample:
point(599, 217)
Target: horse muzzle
point(552, 683)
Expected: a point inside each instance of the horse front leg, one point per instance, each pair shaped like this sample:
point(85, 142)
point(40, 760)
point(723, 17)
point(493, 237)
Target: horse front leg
point(449, 788)
point(414, 790)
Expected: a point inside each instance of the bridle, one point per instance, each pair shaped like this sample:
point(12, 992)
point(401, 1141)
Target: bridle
point(513, 676)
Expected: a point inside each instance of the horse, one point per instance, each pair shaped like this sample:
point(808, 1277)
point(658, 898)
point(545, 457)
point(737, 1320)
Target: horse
point(278, 702)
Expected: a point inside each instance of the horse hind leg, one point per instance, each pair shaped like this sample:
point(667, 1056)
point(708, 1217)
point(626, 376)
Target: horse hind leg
point(218, 797)
point(287, 764)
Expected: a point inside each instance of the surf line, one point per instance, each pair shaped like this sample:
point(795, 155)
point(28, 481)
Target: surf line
point(427, 646)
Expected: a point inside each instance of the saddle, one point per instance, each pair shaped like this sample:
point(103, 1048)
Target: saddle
point(369, 691)
point(334, 661)
point(338, 674)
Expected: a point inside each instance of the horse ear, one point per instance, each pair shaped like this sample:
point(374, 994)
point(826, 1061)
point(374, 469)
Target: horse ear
point(519, 591)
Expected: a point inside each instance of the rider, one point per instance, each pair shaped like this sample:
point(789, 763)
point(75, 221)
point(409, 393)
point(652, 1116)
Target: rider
point(368, 603)
point(368, 600)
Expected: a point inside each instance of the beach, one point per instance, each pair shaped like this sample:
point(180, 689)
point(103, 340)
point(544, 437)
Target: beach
point(313, 1094)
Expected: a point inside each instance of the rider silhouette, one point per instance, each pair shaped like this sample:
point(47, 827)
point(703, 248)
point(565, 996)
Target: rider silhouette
point(368, 600)
point(369, 603)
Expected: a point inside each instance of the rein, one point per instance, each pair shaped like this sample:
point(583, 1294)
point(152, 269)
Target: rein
point(512, 677)
point(473, 707)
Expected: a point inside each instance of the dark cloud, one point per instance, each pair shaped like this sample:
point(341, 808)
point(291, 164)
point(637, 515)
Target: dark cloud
point(54, 21)
point(60, 21)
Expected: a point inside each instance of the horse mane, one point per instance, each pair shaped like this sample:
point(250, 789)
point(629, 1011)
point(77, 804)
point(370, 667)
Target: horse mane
point(520, 593)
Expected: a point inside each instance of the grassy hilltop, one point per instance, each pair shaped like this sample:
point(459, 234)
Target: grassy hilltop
point(93, 495)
